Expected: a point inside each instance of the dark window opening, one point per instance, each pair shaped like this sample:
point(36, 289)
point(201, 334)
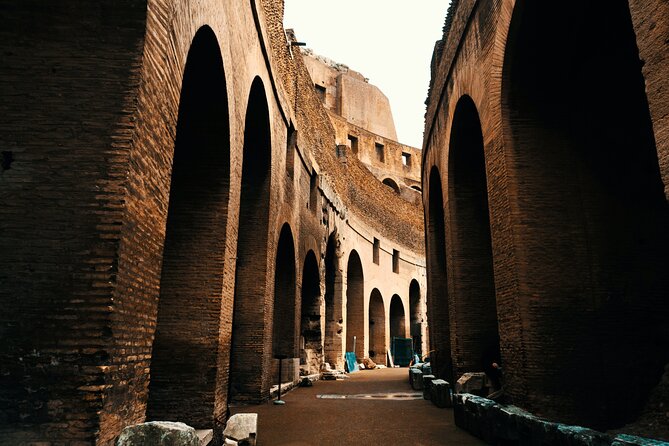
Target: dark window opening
point(353, 141)
point(406, 159)
point(320, 91)
point(396, 261)
point(380, 152)
point(376, 250)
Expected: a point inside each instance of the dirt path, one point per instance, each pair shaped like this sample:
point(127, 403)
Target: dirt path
point(357, 412)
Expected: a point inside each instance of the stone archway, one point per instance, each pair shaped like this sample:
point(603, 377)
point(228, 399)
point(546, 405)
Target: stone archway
point(248, 326)
point(437, 298)
point(377, 328)
point(187, 333)
point(311, 340)
point(355, 306)
point(476, 334)
point(588, 212)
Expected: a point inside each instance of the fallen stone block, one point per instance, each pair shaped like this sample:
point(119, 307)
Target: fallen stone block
point(474, 383)
point(158, 433)
point(440, 393)
point(631, 440)
point(417, 379)
point(241, 430)
point(427, 381)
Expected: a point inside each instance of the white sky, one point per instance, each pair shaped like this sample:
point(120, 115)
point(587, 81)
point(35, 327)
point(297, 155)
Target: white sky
point(388, 41)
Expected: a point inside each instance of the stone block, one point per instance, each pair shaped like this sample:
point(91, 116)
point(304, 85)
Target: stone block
point(417, 379)
point(440, 393)
point(427, 381)
point(631, 440)
point(158, 433)
point(241, 429)
point(474, 383)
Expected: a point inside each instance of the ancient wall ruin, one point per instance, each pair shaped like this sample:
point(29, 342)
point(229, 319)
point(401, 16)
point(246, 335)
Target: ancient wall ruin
point(363, 121)
point(544, 187)
point(170, 184)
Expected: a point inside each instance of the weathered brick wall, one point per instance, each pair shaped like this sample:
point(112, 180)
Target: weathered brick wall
point(89, 137)
point(580, 299)
point(66, 127)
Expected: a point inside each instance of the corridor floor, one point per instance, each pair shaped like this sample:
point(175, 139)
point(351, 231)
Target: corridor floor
point(366, 416)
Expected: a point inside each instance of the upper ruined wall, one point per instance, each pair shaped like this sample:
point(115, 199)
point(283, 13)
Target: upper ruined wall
point(349, 94)
point(355, 186)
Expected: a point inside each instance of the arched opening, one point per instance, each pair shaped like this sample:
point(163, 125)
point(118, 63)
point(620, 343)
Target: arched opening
point(184, 361)
point(437, 297)
point(397, 318)
point(311, 352)
point(284, 333)
point(333, 320)
point(377, 328)
point(473, 290)
point(355, 306)
point(391, 184)
point(246, 383)
point(415, 317)
point(417, 188)
point(589, 215)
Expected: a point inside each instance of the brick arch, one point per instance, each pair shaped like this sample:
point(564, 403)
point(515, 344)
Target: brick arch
point(311, 333)
point(397, 317)
point(284, 327)
point(437, 297)
point(184, 350)
point(588, 213)
point(472, 285)
point(248, 326)
point(391, 184)
point(377, 328)
point(415, 316)
point(355, 305)
point(333, 303)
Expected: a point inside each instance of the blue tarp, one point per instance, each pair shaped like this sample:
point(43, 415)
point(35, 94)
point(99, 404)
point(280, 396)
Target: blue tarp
point(402, 351)
point(351, 362)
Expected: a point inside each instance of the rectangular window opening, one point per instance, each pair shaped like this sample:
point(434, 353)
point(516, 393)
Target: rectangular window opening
point(396, 261)
point(353, 141)
point(313, 192)
point(380, 152)
point(320, 91)
point(406, 159)
point(376, 250)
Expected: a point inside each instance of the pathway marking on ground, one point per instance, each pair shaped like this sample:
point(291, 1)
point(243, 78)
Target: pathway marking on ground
point(372, 396)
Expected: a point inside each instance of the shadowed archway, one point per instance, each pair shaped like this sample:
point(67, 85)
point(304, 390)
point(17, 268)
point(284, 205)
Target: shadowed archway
point(251, 293)
point(355, 306)
point(377, 328)
point(437, 297)
point(470, 254)
point(311, 351)
point(185, 363)
point(590, 215)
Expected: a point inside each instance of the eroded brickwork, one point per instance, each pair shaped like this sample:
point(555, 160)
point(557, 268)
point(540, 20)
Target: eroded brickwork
point(134, 256)
point(575, 174)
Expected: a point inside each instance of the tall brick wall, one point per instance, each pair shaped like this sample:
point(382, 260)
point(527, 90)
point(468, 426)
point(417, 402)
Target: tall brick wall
point(66, 133)
point(574, 166)
point(105, 244)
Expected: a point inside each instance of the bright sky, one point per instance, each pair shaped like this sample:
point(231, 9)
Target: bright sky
point(388, 41)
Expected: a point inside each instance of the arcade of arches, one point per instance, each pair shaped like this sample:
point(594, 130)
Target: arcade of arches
point(176, 215)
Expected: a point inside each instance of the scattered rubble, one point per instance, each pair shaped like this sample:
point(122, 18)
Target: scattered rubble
point(158, 433)
point(241, 430)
